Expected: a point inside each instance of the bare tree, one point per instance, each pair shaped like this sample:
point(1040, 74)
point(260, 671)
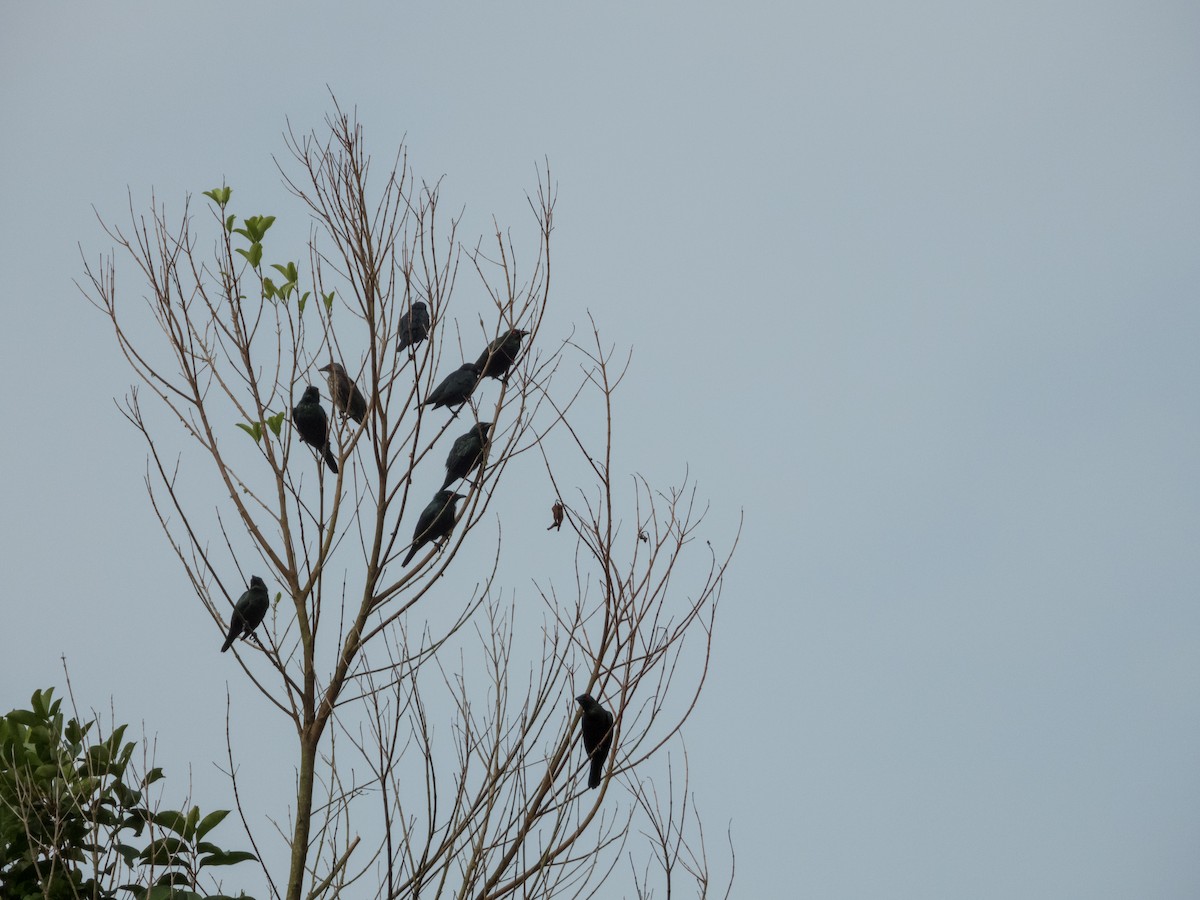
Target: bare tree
point(457, 703)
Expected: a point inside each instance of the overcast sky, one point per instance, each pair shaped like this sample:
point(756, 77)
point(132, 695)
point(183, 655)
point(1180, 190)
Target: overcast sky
point(915, 286)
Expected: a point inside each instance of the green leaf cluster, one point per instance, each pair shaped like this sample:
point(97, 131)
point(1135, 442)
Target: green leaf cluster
point(254, 230)
point(74, 818)
point(255, 429)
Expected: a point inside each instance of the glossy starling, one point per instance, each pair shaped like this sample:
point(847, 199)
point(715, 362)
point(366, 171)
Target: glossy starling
point(597, 723)
point(312, 424)
point(467, 453)
point(248, 612)
point(435, 523)
point(414, 326)
point(500, 354)
point(456, 388)
point(347, 398)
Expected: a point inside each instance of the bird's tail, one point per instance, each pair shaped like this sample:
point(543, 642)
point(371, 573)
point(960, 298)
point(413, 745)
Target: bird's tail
point(597, 769)
point(331, 461)
point(411, 554)
point(228, 643)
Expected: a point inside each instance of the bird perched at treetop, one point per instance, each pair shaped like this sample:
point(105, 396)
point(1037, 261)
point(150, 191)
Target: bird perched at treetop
point(456, 388)
point(500, 354)
point(414, 326)
point(597, 724)
point(312, 424)
point(435, 522)
point(557, 512)
point(347, 398)
point(248, 612)
point(467, 453)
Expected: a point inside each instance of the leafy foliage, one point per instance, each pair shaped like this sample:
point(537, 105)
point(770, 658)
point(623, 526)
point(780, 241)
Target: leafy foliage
point(75, 819)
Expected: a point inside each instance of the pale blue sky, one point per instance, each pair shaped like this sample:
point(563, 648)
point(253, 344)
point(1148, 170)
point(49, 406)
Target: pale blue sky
point(914, 285)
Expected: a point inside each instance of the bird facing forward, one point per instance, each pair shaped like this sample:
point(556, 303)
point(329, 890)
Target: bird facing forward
point(313, 425)
point(414, 326)
point(347, 398)
point(248, 612)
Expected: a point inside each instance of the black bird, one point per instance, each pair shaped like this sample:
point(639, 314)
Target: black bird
point(500, 354)
point(414, 326)
point(347, 398)
point(597, 726)
point(312, 424)
point(467, 453)
point(248, 612)
point(456, 388)
point(436, 521)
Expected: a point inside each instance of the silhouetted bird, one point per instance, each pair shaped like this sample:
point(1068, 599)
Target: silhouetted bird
point(500, 354)
point(312, 424)
point(347, 398)
point(467, 453)
point(557, 511)
point(248, 612)
point(456, 388)
point(414, 326)
point(597, 726)
point(435, 522)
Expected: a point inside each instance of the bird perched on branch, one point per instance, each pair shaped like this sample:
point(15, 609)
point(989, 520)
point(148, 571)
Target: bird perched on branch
point(435, 522)
point(500, 354)
point(597, 724)
point(557, 512)
point(344, 393)
point(248, 612)
point(313, 426)
point(414, 326)
point(455, 389)
point(467, 453)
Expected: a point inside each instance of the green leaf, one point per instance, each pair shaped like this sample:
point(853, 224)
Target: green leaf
point(275, 423)
point(303, 301)
point(162, 852)
point(219, 196)
point(269, 289)
point(254, 429)
point(328, 298)
point(171, 819)
point(25, 717)
point(256, 227)
point(227, 858)
point(193, 818)
point(40, 701)
point(229, 223)
point(288, 272)
point(169, 892)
